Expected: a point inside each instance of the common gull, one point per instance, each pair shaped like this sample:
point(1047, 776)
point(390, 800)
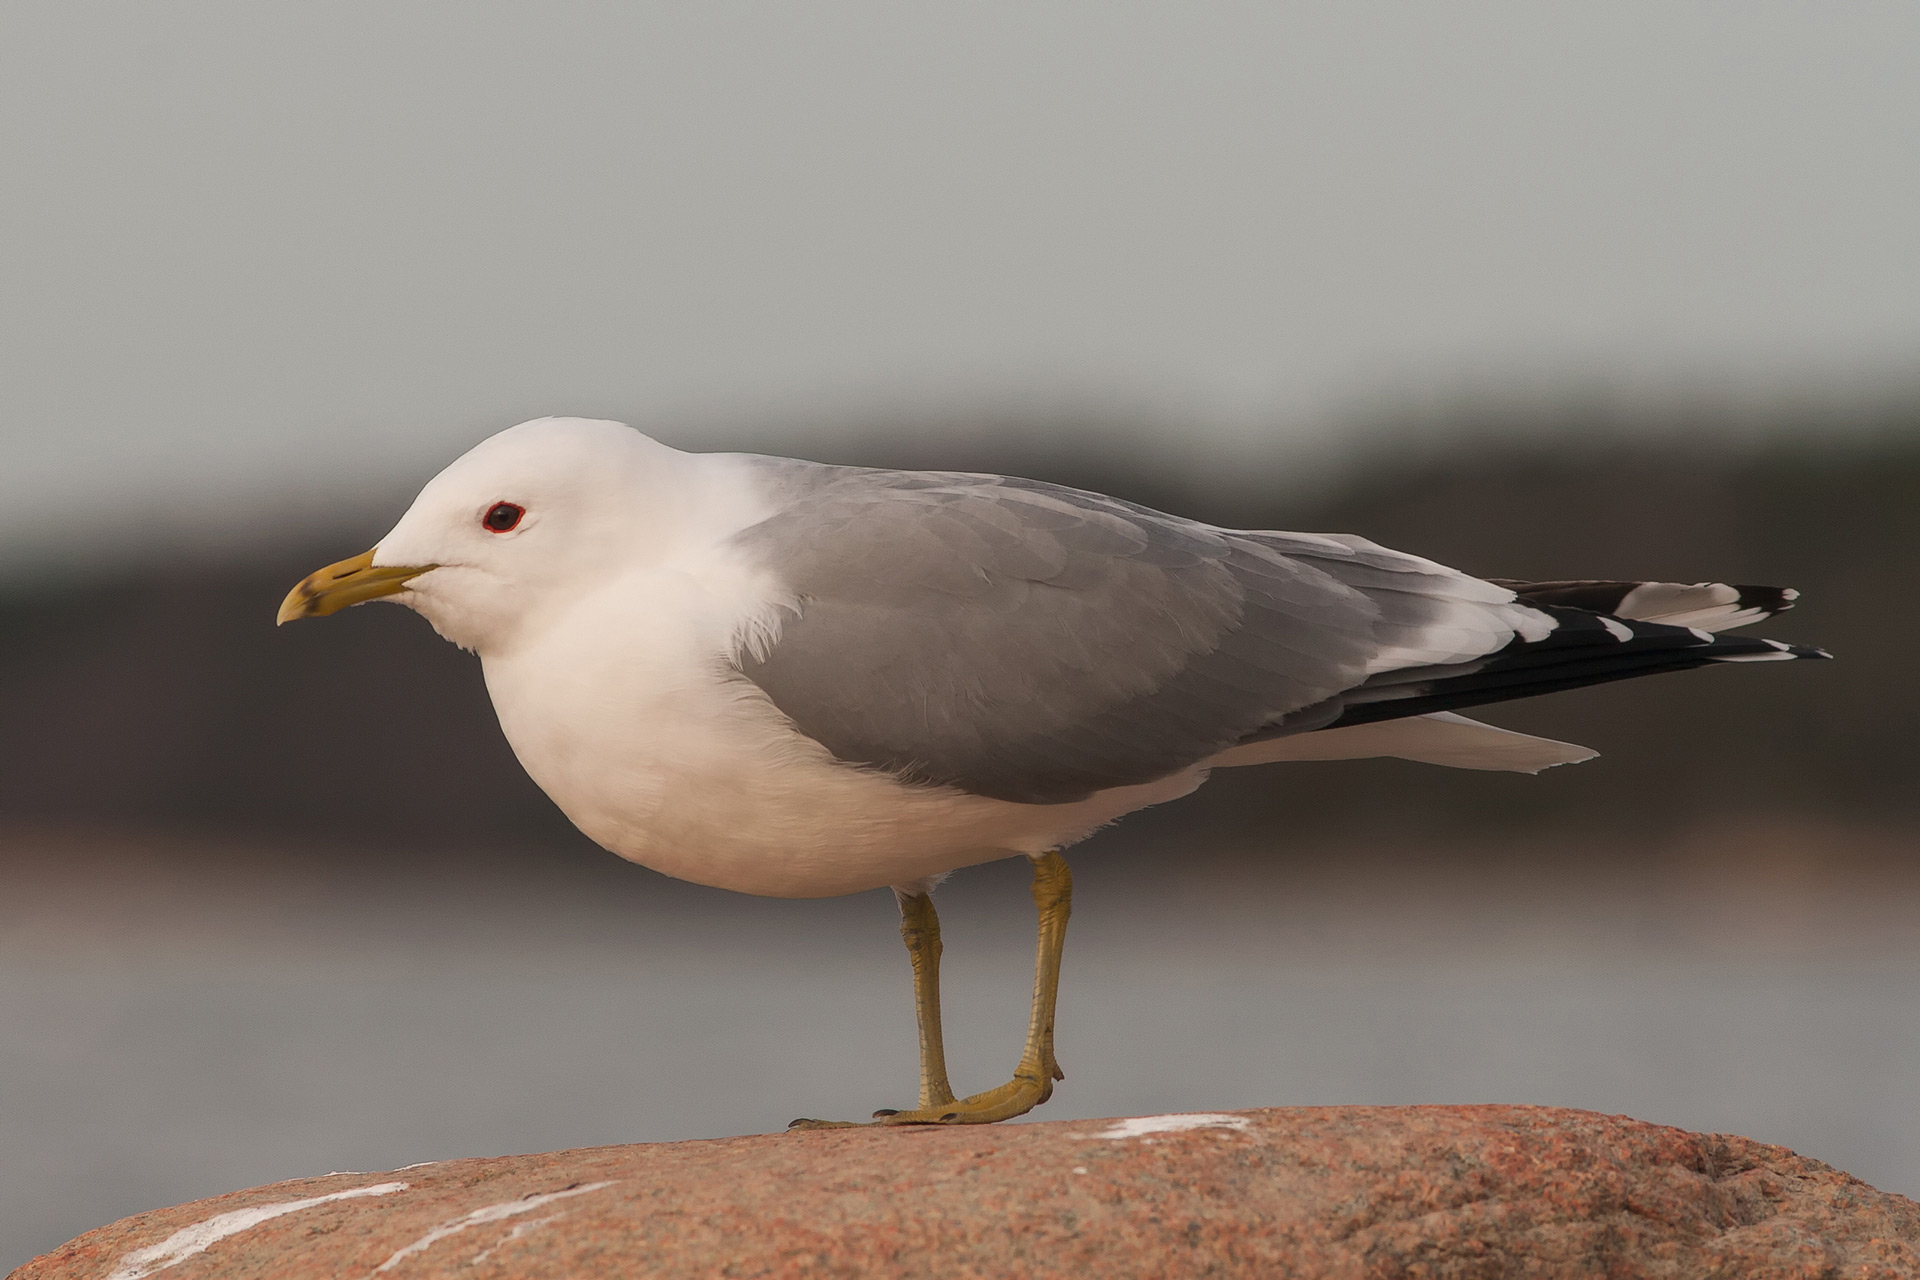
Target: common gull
point(788, 678)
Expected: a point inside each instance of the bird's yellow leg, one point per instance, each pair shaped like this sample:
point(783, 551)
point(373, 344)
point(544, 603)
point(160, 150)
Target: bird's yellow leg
point(1032, 1082)
point(920, 930)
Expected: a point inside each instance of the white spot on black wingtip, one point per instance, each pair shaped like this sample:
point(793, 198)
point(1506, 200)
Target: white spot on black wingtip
point(1704, 637)
point(1789, 594)
point(1618, 630)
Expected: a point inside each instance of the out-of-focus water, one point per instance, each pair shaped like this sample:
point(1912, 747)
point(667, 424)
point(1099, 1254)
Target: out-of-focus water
point(181, 1018)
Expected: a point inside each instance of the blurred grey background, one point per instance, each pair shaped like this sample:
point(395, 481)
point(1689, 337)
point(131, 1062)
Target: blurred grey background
point(1546, 292)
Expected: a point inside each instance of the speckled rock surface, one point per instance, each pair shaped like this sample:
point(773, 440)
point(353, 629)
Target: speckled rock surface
point(1440, 1192)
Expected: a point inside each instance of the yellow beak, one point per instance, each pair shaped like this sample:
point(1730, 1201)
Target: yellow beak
point(349, 582)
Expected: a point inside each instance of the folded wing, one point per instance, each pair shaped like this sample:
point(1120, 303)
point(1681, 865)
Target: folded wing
point(1038, 644)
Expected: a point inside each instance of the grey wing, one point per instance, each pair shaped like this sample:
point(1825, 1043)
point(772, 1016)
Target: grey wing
point(1037, 644)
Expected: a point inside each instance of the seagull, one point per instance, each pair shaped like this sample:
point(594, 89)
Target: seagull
point(800, 680)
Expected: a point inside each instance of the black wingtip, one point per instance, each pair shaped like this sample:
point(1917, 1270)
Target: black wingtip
point(1583, 648)
point(1652, 601)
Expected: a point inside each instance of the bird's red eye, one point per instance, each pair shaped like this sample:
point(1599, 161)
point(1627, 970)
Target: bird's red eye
point(502, 516)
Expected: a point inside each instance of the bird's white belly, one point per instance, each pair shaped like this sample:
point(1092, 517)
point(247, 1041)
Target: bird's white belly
point(661, 755)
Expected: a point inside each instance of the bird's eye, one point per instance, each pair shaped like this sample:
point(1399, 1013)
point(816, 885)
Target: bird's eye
point(502, 516)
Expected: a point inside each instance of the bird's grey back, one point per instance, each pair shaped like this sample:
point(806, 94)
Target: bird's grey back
point(1036, 643)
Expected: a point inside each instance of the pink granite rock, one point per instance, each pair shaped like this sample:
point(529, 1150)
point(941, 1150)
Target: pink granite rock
point(1436, 1192)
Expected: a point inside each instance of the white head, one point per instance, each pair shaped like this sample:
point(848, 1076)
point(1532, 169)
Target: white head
point(539, 511)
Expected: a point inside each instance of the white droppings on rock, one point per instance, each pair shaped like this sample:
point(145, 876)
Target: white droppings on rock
point(1141, 1126)
point(187, 1241)
point(485, 1214)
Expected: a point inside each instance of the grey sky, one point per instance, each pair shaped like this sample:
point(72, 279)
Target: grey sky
point(259, 247)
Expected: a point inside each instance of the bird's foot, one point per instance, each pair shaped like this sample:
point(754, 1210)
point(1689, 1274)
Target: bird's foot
point(1029, 1087)
point(1032, 1084)
point(1014, 1098)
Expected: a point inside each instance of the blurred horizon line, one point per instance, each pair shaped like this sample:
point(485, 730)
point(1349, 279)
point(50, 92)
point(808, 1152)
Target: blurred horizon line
point(1030, 432)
